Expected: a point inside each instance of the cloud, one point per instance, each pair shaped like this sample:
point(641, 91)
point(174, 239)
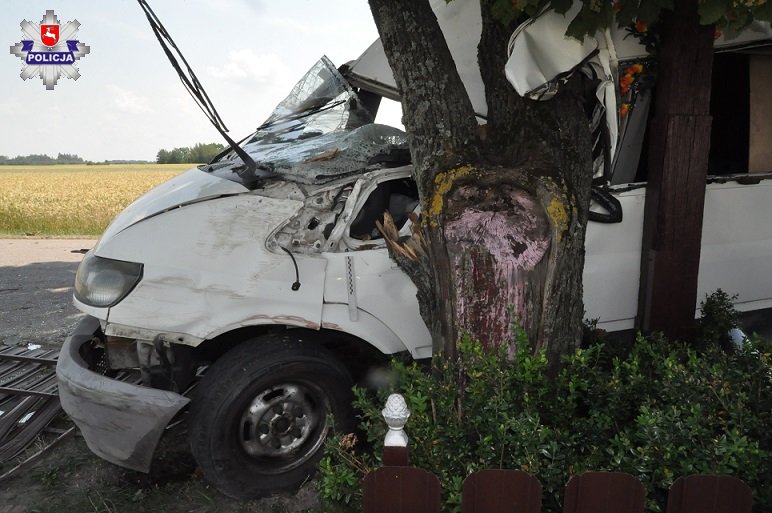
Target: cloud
point(128, 101)
point(246, 64)
point(231, 7)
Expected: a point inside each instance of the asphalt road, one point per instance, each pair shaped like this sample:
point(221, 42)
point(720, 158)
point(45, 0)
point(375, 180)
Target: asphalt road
point(36, 280)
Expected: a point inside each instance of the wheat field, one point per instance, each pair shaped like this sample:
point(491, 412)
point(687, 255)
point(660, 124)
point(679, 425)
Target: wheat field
point(72, 200)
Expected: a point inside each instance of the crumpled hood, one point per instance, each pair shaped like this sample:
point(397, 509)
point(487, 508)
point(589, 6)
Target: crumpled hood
point(191, 186)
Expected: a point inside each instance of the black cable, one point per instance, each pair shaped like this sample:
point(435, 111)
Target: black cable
point(296, 285)
point(193, 86)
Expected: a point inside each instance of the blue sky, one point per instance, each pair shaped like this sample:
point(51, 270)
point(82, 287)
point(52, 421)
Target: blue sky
point(129, 103)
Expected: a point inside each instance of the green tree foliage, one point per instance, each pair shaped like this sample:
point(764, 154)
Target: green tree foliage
point(658, 410)
point(198, 154)
point(600, 14)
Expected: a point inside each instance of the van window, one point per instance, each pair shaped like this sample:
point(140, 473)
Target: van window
point(730, 107)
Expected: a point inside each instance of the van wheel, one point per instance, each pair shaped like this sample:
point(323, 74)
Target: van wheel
point(261, 413)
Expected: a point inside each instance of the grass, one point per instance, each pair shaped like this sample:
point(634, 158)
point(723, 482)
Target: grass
point(71, 479)
point(72, 200)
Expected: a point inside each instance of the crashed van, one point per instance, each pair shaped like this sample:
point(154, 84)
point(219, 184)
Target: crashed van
point(251, 302)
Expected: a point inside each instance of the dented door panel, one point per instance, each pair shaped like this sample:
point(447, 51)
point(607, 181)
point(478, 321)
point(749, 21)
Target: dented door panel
point(381, 290)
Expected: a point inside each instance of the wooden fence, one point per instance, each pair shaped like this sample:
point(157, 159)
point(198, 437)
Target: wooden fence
point(399, 488)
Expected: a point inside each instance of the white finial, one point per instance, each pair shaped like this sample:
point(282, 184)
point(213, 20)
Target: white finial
point(396, 414)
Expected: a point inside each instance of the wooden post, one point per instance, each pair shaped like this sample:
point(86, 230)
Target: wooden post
point(501, 491)
point(401, 490)
point(395, 414)
point(395, 487)
point(709, 494)
point(604, 492)
point(678, 163)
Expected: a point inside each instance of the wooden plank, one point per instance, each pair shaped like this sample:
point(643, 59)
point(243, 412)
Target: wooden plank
point(501, 491)
point(604, 492)
point(401, 490)
point(760, 151)
point(709, 494)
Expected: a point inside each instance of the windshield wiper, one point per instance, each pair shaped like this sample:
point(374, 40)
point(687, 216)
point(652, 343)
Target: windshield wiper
point(194, 88)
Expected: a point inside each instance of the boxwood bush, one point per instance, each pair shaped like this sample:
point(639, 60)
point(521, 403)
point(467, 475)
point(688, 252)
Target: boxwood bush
point(654, 408)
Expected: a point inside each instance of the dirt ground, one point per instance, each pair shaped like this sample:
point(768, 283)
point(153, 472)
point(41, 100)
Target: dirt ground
point(36, 277)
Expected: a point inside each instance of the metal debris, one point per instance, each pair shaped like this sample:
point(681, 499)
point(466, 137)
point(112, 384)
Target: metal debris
point(28, 396)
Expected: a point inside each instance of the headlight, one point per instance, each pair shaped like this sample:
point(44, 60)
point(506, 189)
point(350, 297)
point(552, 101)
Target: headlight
point(104, 282)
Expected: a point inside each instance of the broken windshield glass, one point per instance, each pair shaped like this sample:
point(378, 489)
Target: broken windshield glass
point(319, 132)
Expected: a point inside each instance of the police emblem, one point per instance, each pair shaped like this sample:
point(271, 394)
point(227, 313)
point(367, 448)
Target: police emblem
point(51, 50)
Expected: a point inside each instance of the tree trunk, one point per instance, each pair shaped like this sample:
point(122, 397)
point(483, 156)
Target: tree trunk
point(678, 165)
point(501, 239)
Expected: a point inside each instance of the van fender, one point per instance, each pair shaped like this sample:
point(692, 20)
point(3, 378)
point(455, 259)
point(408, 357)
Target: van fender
point(366, 327)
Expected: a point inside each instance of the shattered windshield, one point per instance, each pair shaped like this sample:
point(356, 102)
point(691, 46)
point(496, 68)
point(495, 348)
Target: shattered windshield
point(319, 132)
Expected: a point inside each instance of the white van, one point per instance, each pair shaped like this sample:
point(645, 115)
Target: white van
point(277, 287)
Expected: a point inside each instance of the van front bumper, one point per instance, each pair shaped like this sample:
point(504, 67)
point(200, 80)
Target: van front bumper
point(120, 422)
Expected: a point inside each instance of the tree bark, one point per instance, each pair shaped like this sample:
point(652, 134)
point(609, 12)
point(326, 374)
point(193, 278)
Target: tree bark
point(504, 207)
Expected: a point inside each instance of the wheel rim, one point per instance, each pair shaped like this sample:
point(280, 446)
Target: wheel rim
point(284, 423)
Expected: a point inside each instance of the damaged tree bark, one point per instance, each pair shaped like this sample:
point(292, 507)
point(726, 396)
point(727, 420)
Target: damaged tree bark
point(501, 237)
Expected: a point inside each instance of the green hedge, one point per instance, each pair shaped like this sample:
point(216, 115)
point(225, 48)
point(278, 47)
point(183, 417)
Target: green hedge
point(658, 410)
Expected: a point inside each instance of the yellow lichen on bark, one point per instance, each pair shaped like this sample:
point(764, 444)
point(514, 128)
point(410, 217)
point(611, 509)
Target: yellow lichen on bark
point(558, 215)
point(443, 183)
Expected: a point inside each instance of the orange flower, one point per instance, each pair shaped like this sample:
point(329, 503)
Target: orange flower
point(624, 109)
point(634, 69)
point(625, 82)
point(716, 34)
point(641, 26)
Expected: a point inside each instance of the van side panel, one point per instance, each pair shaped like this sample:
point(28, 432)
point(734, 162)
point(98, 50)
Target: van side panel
point(736, 252)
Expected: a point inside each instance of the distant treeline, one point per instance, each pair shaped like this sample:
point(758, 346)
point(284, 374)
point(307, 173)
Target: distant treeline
point(198, 154)
point(40, 160)
point(62, 158)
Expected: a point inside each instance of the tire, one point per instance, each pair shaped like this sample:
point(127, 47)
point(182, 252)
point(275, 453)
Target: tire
point(260, 415)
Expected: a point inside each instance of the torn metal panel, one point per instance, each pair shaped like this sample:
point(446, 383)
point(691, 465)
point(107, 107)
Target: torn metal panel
point(310, 230)
point(540, 52)
point(542, 57)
